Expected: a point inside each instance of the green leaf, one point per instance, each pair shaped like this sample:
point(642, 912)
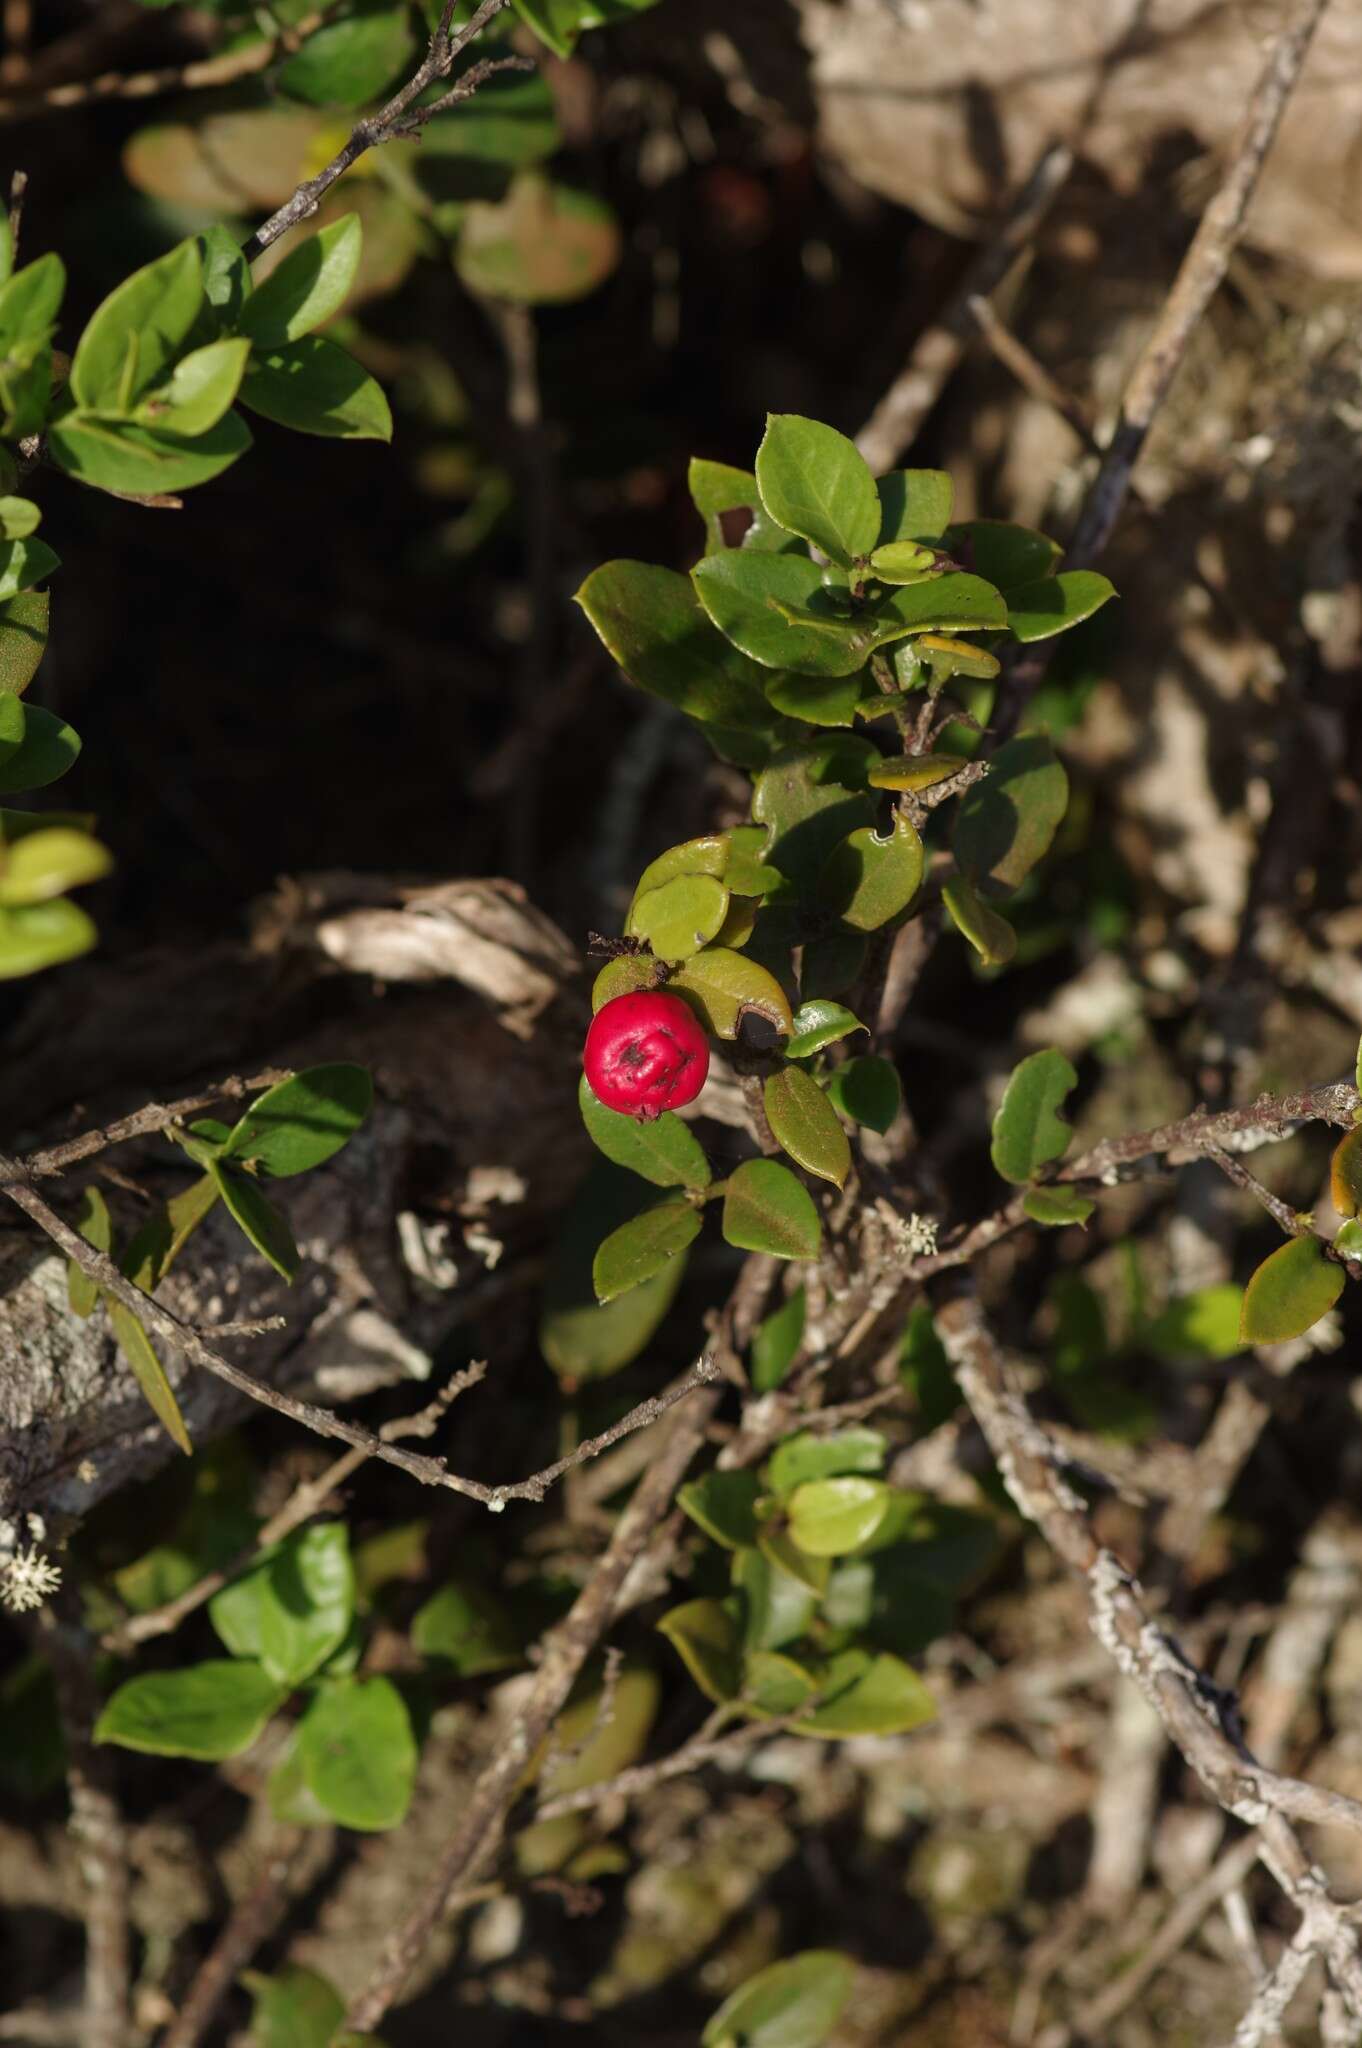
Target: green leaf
point(813, 482)
point(783, 1554)
point(708, 1639)
point(42, 935)
point(1200, 1325)
point(1348, 1239)
point(866, 1090)
point(1009, 556)
point(201, 388)
point(811, 797)
point(207, 1711)
point(717, 489)
point(226, 275)
point(947, 658)
point(1028, 1131)
point(47, 862)
point(807, 1457)
point(134, 335)
point(1037, 611)
point(542, 245)
point(22, 564)
point(767, 1210)
point(681, 916)
point(665, 1151)
point(870, 880)
point(1005, 823)
point(777, 610)
point(304, 1121)
point(560, 22)
point(35, 748)
point(778, 1607)
point(136, 462)
point(95, 1225)
point(641, 1247)
point(316, 388)
point(23, 639)
point(793, 2004)
point(723, 987)
point(915, 505)
point(161, 1239)
point(707, 855)
point(775, 1686)
point(258, 1219)
point(817, 1024)
point(150, 1375)
point(829, 1517)
point(307, 1601)
point(777, 1341)
point(652, 624)
point(1289, 1292)
point(588, 1745)
point(463, 1629)
point(868, 1695)
point(294, 2008)
point(903, 561)
point(359, 1754)
point(818, 700)
point(992, 937)
point(28, 311)
point(351, 59)
point(19, 517)
point(805, 1124)
point(1057, 1206)
point(723, 1504)
point(581, 1339)
point(942, 604)
point(309, 286)
point(1345, 1169)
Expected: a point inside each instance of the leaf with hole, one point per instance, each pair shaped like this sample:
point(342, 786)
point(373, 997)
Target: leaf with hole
point(870, 880)
point(1289, 1292)
point(1028, 1131)
point(805, 1124)
point(767, 1210)
point(723, 987)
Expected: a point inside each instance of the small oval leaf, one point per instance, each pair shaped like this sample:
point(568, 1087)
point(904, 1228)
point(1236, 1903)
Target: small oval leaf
point(1289, 1292)
point(767, 1210)
point(1028, 1131)
point(805, 1125)
point(642, 1247)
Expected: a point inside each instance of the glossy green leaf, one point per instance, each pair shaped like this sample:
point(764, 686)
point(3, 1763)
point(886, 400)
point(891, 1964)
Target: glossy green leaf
point(1006, 823)
point(992, 937)
point(867, 1090)
point(304, 1121)
point(829, 1517)
point(811, 797)
point(681, 916)
point(307, 1601)
point(160, 1240)
point(818, 700)
point(723, 1504)
point(1348, 1239)
point(707, 1636)
point(767, 1210)
point(208, 1711)
point(359, 1754)
point(95, 1225)
point(201, 388)
point(792, 2004)
point(1028, 1131)
point(1057, 1206)
point(136, 333)
point(1289, 1292)
point(716, 490)
point(150, 1375)
point(463, 1629)
point(310, 285)
point(655, 629)
point(783, 1554)
point(42, 935)
point(950, 603)
point(543, 244)
point(776, 1343)
point(707, 855)
point(778, 1607)
point(1345, 1169)
point(805, 1124)
point(867, 1695)
point(1009, 556)
point(723, 987)
point(777, 610)
point(29, 303)
point(258, 1218)
point(665, 1151)
point(560, 22)
point(581, 1339)
point(351, 58)
point(588, 1745)
point(915, 505)
point(808, 1456)
point(817, 1024)
point(47, 862)
point(35, 748)
point(746, 872)
point(316, 388)
point(134, 461)
point(774, 1686)
point(946, 658)
point(903, 561)
point(226, 274)
point(294, 2008)
point(1037, 611)
point(815, 483)
point(641, 1247)
point(870, 880)
point(22, 564)
point(23, 639)
point(915, 771)
point(621, 977)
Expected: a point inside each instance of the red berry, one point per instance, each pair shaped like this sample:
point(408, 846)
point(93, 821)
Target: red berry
point(645, 1053)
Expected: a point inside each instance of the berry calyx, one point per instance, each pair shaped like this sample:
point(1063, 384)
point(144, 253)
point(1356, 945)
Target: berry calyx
point(645, 1052)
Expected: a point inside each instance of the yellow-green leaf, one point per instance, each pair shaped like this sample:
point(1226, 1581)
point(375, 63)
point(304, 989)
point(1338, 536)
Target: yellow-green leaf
point(1289, 1292)
point(805, 1124)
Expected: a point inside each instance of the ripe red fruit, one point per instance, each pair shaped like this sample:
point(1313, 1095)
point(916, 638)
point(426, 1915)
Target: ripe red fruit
point(646, 1052)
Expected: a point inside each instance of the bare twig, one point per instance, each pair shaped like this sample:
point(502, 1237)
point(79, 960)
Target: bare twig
point(291, 1863)
point(202, 72)
point(143, 1123)
point(1031, 374)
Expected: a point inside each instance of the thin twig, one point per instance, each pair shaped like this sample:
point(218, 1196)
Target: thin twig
point(1031, 374)
point(143, 1123)
point(201, 73)
point(291, 1863)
